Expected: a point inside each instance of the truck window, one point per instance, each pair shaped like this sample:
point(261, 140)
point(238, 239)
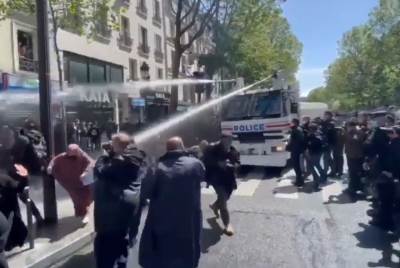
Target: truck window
point(267, 105)
point(237, 108)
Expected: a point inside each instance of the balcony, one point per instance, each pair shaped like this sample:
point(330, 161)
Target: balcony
point(157, 21)
point(28, 65)
point(144, 50)
point(159, 56)
point(125, 42)
point(142, 11)
point(102, 32)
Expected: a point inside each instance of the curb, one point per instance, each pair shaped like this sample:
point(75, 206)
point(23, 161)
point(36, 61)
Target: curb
point(49, 258)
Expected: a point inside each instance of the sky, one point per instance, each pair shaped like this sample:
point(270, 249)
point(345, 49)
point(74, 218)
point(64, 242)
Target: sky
point(320, 25)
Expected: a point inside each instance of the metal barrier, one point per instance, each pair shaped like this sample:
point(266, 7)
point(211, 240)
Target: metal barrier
point(29, 216)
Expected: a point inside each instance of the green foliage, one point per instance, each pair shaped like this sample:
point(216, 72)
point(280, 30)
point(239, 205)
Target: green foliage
point(79, 16)
point(367, 72)
point(256, 40)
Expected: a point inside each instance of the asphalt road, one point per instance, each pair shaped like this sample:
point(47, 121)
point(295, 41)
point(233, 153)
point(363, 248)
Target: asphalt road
point(278, 225)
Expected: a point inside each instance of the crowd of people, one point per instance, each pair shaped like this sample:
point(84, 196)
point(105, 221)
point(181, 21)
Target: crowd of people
point(121, 182)
point(372, 150)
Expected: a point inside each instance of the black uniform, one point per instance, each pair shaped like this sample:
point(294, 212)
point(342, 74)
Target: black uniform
point(296, 148)
point(329, 137)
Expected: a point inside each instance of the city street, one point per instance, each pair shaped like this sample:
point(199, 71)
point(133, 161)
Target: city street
point(278, 225)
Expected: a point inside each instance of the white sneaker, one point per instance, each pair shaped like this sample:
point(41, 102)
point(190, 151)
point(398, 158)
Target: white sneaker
point(85, 220)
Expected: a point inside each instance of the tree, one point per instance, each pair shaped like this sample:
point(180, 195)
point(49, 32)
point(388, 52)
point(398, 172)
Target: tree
point(367, 71)
point(190, 16)
point(253, 39)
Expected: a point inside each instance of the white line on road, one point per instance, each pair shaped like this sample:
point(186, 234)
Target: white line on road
point(287, 185)
point(334, 189)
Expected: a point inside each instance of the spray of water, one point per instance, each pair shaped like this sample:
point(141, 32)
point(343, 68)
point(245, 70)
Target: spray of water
point(73, 94)
point(149, 133)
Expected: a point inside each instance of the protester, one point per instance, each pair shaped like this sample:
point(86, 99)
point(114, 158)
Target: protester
point(220, 159)
point(296, 148)
point(95, 137)
point(171, 236)
point(4, 231)
point(18, 149)
point(117, 201)
point(110, 128)
point(314, 147)
point(12, 181)
point(72, 169)
point(338, 152)
point(329, 138)
point(354, 144)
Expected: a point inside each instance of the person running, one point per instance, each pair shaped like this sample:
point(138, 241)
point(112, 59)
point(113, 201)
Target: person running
point(117, 201)
point(71, 169)
point(171, 235)
point(220, 160)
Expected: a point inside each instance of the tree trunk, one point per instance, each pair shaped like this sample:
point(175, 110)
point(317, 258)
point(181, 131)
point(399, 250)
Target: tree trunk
point(175, 75)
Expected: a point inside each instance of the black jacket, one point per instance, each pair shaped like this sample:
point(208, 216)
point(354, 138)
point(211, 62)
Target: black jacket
point(296, 143)
point(394, 148)
point(329, 132)
point(117, 191)
point(217, 175)
point(314, 144)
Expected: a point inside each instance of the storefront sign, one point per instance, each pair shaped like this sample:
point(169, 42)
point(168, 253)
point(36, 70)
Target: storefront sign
point(138, 102)
point(95, 96)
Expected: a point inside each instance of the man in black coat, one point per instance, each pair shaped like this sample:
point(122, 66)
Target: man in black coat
point(171, 236)
point(220, 160)
point(296, 148)
point(117, 201)
point(4, 231)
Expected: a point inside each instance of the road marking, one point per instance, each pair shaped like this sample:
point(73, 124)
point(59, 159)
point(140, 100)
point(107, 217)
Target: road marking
point(286, 190)
point(246, 186)
point(334, 189)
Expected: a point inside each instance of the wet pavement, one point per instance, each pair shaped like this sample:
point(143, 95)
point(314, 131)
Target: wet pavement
point(278, 225)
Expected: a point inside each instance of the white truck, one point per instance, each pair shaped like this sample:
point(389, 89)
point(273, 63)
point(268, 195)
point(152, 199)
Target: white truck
point(259, 121)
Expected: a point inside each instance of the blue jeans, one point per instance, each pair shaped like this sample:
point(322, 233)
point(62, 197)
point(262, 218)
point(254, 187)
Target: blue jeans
point(317, 171)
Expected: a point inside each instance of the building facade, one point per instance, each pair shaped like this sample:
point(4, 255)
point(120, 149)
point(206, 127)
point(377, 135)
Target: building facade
point(140, 49)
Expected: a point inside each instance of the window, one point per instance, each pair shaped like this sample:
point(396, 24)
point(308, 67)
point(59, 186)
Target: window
point(116, 74)
point(97, 72)
point(133, 69)
point(172, 28)
point(143, 40)
point(160, 74)
point(172, 57)
point(125, 32)
point(78, 72)
point(157, 10)
point(142, 6)
point(25, 51)
point(158, 43)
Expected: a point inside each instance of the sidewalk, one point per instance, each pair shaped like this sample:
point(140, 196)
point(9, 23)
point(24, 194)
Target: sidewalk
point(54, 242)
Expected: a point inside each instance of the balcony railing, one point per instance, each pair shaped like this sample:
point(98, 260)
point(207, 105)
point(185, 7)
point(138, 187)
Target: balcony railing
point(28, 65)
point(125, 41)
point(103, 32)
point(157, 20)
point(159, 56)
point(144, 50)
point(142, 11)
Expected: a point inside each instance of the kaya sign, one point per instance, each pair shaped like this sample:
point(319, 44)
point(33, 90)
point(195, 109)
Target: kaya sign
point(96, 96)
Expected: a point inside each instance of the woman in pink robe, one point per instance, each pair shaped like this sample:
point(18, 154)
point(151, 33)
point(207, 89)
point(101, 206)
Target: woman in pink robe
point(70, 169)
